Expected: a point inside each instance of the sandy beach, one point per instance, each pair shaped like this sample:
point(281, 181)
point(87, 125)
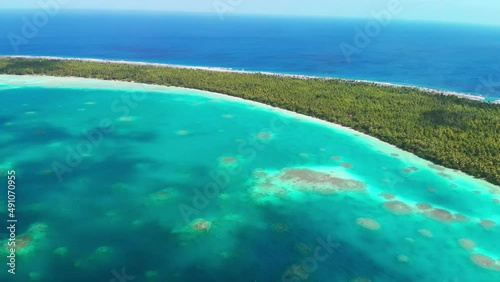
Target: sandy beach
point(386, 84)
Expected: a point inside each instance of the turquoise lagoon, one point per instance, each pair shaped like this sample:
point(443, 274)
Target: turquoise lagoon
point(128, 182)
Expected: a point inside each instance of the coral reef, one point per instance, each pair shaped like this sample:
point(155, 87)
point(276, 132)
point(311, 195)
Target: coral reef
point(368, 223)
point(487, 224)
point(467, 243)
point(425, 232)
point(485, 262)
point(201, 225)
point(398, 207)
point(308, 180)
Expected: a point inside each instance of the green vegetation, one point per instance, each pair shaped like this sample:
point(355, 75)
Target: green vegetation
point(450, 131)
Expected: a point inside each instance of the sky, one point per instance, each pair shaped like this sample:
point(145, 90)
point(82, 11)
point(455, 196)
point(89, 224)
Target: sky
point(466, 11)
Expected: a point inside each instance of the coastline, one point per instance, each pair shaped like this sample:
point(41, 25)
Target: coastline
point(297, 76)
point(91, 83)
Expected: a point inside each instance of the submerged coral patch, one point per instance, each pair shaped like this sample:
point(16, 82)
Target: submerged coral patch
point(410, 169)
point(201, 225)
point(398, 207)
point(485, 262)
point(403, 259)
point(287, 181)
point(459, 218)
point(467, 243)
point(61, 251)
point(387, 196)
point(368, 223)
point(264, 135)
point(443, 215)
point(423, 206)
point(425, 232)
point(296, 272)
point(346, 165)
point(126, 118)
point(304, 249)
point(227, 160)
point(487, 224)
point(281, 227)
point(309, 180)
point(445, 175)
point(437, 167)
point(162, 195)
point(26, 242)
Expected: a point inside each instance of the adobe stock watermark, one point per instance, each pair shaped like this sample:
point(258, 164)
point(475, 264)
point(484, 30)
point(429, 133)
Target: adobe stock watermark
point(31, 26)
point(372, 29)
point(121, 277)
point(93, 138)
point(223, 7)
point(303, 270)
point(249, 150)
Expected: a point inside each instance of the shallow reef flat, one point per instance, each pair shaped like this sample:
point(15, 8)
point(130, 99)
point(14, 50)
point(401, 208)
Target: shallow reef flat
point(171, 184)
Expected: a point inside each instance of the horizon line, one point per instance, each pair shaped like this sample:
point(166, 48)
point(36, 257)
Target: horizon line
point(135, 11)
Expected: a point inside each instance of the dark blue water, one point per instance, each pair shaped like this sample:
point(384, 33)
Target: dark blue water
point(462, 58)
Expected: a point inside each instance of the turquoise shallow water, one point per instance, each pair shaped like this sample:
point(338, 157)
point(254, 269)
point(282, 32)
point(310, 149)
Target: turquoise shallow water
point(192, 186)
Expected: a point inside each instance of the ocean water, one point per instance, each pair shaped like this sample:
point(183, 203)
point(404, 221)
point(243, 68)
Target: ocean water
point(168, 184)
point(463, 58)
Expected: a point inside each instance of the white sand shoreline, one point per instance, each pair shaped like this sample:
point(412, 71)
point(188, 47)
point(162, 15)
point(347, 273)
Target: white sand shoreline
point(79, 82)
point(386, 84)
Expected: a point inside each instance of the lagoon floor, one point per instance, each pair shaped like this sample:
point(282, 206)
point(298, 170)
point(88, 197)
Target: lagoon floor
point(171, 184)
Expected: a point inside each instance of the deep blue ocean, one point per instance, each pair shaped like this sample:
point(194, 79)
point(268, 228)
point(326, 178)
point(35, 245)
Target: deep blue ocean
point(455, 57)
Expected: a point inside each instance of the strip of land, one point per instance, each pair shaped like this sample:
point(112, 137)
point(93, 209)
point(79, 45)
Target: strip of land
point(435, 91)
point(458, 133)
